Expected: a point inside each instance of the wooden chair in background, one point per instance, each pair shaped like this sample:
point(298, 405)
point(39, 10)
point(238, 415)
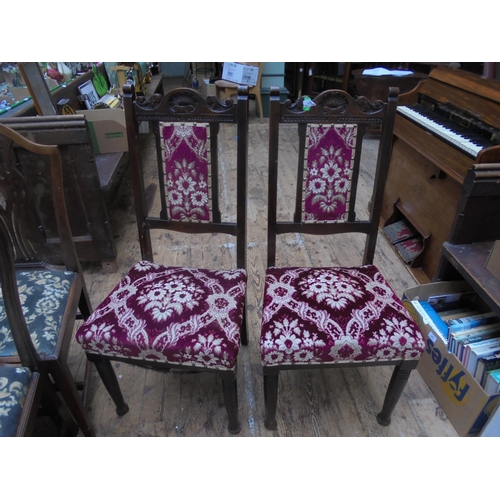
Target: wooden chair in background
point(329, 317)
point(39, 301)
point(231, 88)
point(164, 316)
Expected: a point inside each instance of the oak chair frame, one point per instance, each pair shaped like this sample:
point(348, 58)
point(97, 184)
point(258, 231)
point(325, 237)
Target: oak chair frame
point(331, 107)
point(183, 105)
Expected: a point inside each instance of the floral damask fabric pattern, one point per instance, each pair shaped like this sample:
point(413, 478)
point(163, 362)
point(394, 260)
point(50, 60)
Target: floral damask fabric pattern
point(43, 296)
point(14, 382)
point(171, 314)
point(330, 315)
point(186, 157)
point(328, 168)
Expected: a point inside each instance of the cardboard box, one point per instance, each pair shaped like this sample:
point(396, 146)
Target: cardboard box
point(460, 396)
point(240, 73)
point(107, 130)
point(207, 88)
point(493, 262)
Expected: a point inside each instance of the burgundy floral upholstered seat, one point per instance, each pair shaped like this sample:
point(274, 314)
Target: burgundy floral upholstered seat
point(334, 315)
point(161, 316)
point(170, 314)
point(319, 317)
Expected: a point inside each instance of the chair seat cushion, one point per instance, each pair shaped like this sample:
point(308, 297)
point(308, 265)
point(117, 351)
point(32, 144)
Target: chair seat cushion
point(170, 314)
point(44, 296)
point(334, 315)
point(14, 383)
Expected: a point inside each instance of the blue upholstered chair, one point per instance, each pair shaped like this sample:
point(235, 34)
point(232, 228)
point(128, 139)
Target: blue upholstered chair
point(39, 302)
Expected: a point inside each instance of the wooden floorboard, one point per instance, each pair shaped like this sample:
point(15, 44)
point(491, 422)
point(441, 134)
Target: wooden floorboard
point(340, 402)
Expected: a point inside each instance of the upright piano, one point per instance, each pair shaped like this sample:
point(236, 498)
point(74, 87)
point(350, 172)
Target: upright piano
point(443, 126)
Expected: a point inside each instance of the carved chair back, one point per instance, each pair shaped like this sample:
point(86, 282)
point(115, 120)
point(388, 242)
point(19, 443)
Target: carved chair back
point(186, 127)
point(331, 130)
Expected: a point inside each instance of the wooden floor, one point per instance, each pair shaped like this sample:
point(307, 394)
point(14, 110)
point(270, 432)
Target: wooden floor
point(341, 402)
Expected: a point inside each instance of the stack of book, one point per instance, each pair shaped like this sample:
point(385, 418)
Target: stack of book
point(405, 239)
point(472, 336)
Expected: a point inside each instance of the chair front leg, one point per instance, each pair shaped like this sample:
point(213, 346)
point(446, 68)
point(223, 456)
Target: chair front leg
point(108, 377)
point(230, 392)
point(396, 386)
point(271, 400)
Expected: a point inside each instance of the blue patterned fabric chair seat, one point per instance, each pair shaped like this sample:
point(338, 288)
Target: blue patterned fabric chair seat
point(14, 383)
point(43, 295)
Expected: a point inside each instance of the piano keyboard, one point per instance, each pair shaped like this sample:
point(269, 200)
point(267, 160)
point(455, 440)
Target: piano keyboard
point(455, 134)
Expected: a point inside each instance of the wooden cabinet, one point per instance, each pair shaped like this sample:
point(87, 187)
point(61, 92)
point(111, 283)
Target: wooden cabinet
point(476, 226)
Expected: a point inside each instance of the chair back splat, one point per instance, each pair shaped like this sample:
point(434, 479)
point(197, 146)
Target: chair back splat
point(39, 302)
point(332, 316)
point(166, 315)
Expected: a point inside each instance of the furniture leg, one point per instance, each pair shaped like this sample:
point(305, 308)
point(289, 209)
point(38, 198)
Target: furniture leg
point(230, 391)
point(64, 381)
point(244, 334)
point(397, 384)
point(271, 401)
point(56, 410)
point(108, 377)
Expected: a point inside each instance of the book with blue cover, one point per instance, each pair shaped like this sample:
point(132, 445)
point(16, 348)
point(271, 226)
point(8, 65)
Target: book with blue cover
point(457, 341)
point(472, 321)
point(428, 313)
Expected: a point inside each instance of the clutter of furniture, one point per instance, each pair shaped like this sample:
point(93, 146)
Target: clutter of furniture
point(40, 302)
point(166, 316)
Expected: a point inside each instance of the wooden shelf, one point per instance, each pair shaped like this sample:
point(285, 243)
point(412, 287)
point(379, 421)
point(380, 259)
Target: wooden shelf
point(470, 260)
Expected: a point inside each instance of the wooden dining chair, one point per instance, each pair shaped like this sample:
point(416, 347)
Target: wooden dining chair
point(164, 315)
point(25, 388)
point(40, 300)
point(330, 317)
point(230, 88)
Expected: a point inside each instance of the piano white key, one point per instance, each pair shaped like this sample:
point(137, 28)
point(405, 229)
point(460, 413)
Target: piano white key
point(461, 142)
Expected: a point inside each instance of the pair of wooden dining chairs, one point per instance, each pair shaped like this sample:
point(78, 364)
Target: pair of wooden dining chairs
point(167, 316)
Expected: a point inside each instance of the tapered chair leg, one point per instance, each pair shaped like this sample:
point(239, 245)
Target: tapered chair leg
point(108, 377)
point(271, 401)
point(397, 384)
point(230, 392)
point(67, 386)
point(57, 411)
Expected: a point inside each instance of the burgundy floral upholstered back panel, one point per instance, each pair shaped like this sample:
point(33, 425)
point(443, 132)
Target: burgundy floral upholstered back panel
point(328, 168)
point(186, 157)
